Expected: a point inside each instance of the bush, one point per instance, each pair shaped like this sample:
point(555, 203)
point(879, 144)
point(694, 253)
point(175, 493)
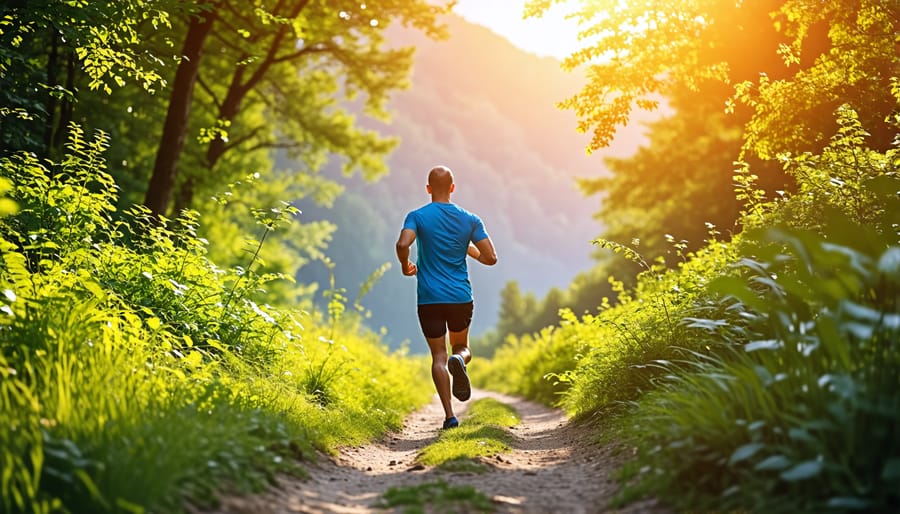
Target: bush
point(804, 415)
point(135, 374)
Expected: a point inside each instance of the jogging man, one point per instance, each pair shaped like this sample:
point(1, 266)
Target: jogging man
point(446, 233)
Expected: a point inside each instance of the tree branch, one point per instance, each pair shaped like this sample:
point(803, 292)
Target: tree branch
point(209, 91)
point(316, 48)
point(219, 37)
point(237, 141)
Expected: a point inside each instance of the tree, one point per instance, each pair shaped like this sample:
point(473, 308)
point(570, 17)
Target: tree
point(515, 310)
point(729, 104)
point(856, 69)
point(830, 50)
point(293, 61)
point(171, 142)
point(548, 312)
point(677, 185)
point(52, 53)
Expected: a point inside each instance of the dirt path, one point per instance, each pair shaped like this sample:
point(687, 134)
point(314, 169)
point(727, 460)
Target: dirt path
point(552, 468)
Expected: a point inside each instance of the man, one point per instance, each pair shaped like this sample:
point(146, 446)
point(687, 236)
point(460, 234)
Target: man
point(446, 233)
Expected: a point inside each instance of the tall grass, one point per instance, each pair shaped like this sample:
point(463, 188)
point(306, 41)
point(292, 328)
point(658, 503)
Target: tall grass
point(136, 375)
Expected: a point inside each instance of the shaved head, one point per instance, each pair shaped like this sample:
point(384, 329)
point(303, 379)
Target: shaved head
point(440, 178)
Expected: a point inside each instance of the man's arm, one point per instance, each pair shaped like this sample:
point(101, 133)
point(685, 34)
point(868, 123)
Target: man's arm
point(406, 239)
point(483, 252)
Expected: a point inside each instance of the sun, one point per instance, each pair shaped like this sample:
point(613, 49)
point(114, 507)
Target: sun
point(550, 35)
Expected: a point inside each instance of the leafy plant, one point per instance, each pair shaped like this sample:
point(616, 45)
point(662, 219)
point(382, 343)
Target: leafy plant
point(805, 409)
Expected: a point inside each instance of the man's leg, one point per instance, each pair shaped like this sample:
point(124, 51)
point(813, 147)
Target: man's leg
point(458, 326)
point(439, 373)
point(459, 342)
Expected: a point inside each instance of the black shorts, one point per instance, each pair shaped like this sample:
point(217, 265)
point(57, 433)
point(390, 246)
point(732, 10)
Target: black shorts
point(437, 318)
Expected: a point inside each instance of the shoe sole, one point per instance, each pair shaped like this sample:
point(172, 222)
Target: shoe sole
point(462, 389)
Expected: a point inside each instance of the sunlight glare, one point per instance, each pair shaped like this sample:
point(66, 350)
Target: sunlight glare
point(550, 35)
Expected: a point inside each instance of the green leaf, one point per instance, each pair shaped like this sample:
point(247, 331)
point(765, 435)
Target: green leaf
point(153, 323)
point(737, 288)
point(128, 506)
point(798, 434)
point(768, 344)
point(803, 471)
point(744, 452)
point(772, 462)
point(891, 471)
point(860, 312)
point(91, 486)
point(94, 288)
point(889, 263)
point(848, 502)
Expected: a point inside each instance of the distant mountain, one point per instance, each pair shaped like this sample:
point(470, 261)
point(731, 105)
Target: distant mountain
point(487, 110)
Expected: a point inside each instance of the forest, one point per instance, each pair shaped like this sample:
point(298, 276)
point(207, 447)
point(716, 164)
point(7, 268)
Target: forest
point(162, 342)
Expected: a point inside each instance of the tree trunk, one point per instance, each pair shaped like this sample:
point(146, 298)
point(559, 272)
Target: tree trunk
point(185, 196)
point(165, 169)
point(67, 107)
point(50, 104)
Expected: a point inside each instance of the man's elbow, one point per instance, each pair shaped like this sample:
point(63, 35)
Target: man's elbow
point(489, 260)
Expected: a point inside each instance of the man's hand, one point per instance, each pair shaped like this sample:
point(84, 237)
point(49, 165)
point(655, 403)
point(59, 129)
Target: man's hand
point(406, 239)
point(483, 252)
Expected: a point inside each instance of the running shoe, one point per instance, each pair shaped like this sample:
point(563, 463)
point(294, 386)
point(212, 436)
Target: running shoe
point(450, 423)
point(462, 389)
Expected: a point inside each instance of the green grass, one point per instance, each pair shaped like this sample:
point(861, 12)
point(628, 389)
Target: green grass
point(482, 433)
point(436, 496)
point(136, 375)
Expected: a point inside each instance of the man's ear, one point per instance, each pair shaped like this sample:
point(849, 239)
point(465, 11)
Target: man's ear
point(428, 188)
point(452, 187)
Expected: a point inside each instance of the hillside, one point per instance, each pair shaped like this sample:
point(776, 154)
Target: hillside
point(487, 110)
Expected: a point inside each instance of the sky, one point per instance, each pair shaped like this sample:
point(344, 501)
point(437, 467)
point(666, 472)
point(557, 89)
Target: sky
point(551, 35)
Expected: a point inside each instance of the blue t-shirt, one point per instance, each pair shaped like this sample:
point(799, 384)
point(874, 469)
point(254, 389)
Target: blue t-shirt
point(443, 232)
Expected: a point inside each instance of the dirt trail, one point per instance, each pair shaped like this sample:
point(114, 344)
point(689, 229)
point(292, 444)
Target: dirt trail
point(552, 468)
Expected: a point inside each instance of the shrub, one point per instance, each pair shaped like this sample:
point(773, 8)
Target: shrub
point(803, 416)
point(135, 374)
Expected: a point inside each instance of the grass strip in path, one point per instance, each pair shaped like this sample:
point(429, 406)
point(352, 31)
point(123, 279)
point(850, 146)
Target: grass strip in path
point(439, 496)
point(483, 433)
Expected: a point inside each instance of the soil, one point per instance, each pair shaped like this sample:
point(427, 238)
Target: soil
point(554, 466)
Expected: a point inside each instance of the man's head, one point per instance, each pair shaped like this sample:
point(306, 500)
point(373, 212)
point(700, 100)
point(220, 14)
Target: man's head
point(440, 181)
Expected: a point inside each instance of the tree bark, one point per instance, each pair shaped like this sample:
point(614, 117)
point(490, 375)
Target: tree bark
point(185, 196)
point(67, 106)
point(50, 104)
point(165, 169)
